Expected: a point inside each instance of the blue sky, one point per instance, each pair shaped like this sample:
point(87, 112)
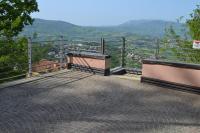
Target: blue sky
point(113, 12)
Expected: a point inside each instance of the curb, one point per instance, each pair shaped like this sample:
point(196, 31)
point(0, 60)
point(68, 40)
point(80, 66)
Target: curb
point(28, 80)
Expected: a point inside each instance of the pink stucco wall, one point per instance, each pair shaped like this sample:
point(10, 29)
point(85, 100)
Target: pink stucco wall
point(184, 76)
point(90, 62)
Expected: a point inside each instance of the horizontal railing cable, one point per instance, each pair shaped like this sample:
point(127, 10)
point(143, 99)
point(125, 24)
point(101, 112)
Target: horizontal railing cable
point(12, 77)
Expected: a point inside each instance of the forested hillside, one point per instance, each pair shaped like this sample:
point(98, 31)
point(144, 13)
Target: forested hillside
point(154, 28)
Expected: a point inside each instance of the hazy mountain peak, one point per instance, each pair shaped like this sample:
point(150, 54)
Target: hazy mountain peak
point(140, 27)
point(146, 21)
point(38, 20)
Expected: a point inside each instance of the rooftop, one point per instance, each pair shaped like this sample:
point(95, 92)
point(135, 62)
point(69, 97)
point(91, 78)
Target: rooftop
point(73, 101)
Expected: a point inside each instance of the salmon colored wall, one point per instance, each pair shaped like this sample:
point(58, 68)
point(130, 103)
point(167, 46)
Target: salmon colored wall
point(96, 63)
point(172, 74)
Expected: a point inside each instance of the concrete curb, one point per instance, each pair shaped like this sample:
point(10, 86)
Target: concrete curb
point(27, 80)
point(128, 77)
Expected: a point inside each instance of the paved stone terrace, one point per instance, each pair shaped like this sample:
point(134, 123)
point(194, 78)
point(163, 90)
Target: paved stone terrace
point(75, 102)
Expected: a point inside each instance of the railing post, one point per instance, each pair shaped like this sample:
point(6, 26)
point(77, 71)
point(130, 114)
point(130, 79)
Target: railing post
point(29, 57)
point(61, 52)
point(123, 52)
point(157, 53)
point(102, 46)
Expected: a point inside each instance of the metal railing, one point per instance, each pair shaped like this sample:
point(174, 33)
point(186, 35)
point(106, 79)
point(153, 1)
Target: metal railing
point(125, 52)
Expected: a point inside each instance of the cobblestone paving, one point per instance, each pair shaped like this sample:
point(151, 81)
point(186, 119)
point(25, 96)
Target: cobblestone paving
point(76, 102)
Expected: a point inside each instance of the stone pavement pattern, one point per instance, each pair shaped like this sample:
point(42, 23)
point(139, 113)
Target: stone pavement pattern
point(75, 102)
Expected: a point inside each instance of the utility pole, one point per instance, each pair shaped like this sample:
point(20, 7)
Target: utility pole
point(123, 52)
point(29, 57)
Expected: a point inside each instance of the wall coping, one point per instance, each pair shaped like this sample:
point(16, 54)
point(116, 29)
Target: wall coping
point(89, 55)
point(173, 64)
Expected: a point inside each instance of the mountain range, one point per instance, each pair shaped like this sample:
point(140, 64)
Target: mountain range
point(152, 28)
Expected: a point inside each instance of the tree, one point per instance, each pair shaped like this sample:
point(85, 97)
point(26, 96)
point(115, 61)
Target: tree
point(13, 57)
point(14, 15)
point(181, 48)
point(194, 23)
point(41, 52)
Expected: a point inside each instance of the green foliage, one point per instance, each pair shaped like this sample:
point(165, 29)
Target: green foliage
point(135, 55)
point(115, 57)
point(13, 51)
point(194, 23)
point(14, 15)
point(40, 52)
point(180, 49)
point(13, 57)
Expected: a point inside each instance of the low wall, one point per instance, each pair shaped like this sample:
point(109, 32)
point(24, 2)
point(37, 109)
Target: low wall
point(176, 75)
point(91, 62)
